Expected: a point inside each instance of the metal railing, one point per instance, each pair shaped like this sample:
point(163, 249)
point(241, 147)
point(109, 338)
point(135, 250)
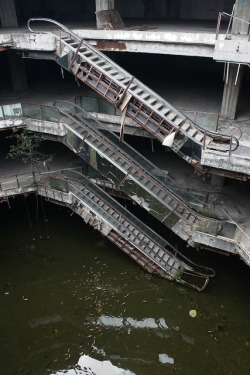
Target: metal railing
point(231, 17)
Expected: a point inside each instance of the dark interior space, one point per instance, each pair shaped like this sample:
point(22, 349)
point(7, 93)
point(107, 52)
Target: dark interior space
point(190, 83)
point(5, 79)
point(82, 10)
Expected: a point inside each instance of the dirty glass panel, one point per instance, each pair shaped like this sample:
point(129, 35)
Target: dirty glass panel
point(190, 114)
point(147, 201)
point(26, 180)
point(84, 153)
point(12, 110)
point(72, 140)
point(78, 100)
point(66, 106)
point(1, 113)
point(105, 107)
point(50, 114)
point(89, 104)
point(207, 121)
point(131, 153)
point(59, 184)
point(9, 184)
point(32, 111)
point(118, 112)
point(107, 169)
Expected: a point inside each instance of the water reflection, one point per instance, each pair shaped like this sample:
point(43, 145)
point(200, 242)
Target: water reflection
point(76, 294)
point(90, 366)
point(112, 321)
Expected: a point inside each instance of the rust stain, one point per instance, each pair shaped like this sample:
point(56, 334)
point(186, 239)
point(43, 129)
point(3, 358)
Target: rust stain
point(111, 45)
point(3, 48)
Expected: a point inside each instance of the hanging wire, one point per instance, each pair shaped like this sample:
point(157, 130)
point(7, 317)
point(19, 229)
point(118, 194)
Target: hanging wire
point(45, 219)
point(29, 220)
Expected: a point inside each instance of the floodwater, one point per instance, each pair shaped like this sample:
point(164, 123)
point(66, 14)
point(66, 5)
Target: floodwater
point(74, 297)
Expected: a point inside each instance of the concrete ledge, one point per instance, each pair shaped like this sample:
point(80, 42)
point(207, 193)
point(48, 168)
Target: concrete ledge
point(217, 242)
point(5, 124)
point(150, 36)
point(237, 51)
point(17, 191)
point(5, 40)
point(234, 162)
point(47, 127)
point(34, 41)
point(174, 43)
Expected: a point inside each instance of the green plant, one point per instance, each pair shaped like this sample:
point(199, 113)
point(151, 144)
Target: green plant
point(177, 275)
point(27, 147)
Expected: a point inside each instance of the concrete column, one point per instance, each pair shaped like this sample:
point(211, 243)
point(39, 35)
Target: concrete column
point(17, 70)
point(242, 10)
point(231, 91)
point(103, 5)
point(8, 13)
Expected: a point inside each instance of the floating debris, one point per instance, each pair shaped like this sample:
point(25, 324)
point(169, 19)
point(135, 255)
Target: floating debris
point(164, 358)
point(193, 313)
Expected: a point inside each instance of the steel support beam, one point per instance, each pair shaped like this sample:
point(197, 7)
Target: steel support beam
point(231, 91)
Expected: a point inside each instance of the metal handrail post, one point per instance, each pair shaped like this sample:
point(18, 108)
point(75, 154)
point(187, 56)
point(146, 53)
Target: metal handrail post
point(204, 140)
point(230, 149)
point(218, 26)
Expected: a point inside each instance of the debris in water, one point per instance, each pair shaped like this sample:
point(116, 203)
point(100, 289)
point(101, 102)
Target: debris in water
point(164, 358)
point(193, 313)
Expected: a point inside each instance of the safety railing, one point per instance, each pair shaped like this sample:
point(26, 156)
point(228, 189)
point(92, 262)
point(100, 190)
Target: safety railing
point(231, 17)
point(233, 145)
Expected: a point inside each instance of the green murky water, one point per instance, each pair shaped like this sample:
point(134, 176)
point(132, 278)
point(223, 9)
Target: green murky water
point(75, 293)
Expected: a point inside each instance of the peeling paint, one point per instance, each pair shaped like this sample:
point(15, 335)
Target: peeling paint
point(111, 45)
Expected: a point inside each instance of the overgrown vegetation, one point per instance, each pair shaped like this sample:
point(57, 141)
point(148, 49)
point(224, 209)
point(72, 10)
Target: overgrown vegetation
point(27, 147)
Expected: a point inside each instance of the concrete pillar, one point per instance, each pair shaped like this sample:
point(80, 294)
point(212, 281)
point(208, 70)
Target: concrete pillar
point(242, 10)
point(231, 91)
point(8, 13)
point(17, 70)
point(103, 5)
